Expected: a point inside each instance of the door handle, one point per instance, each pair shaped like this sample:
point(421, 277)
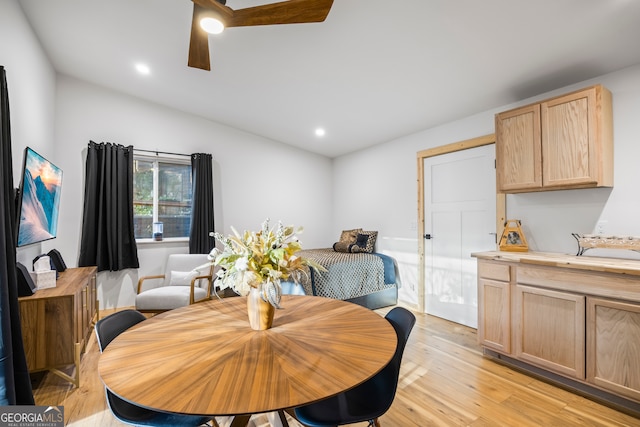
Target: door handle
point(428, 236)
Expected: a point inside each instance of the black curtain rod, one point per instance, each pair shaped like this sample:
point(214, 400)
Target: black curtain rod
point(161, 152)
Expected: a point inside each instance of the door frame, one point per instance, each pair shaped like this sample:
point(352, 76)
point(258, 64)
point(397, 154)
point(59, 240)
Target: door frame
point(501, 201)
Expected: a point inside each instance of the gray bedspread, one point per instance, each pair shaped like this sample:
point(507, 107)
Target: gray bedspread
point(348, 275)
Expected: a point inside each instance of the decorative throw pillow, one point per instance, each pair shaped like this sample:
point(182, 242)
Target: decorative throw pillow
point(371, 242)
point(365, 242)
point(362, 240)
point(349, 236)
point(182, 278)
point(342, 246)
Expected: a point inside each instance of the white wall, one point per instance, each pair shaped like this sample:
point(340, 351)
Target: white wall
point(374, 189)
point(384, 197)
point(31, 83)
point(254, 178)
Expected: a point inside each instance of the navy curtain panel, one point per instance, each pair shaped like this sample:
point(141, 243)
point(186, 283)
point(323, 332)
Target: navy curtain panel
point(15, 384)
point(202, 204)
point(108, 240)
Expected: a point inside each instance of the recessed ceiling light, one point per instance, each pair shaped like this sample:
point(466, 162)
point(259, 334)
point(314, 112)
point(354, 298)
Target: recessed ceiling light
point(320, 132)
point(143, 69)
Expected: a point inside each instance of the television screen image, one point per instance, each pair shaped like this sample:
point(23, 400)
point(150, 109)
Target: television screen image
point(39, 199)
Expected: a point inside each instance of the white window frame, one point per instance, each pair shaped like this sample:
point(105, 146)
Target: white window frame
point(156, 181)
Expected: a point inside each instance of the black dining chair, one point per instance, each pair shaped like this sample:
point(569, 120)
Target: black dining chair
point(369, 400)
point(107, 330)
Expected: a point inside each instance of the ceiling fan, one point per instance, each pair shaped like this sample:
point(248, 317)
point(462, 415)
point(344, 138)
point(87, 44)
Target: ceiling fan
point(284, 12)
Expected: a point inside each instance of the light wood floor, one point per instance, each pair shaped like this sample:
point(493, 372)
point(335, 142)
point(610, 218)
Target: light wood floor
point(444, 381)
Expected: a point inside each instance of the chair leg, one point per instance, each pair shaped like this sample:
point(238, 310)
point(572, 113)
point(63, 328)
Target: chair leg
point(374, 423)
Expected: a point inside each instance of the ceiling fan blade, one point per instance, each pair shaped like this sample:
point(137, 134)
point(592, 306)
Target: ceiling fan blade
point(199, 42)
point(225, 11)
point(285, 12)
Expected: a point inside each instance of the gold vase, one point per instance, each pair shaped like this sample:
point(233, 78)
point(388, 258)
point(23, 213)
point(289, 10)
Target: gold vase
point(260, 312)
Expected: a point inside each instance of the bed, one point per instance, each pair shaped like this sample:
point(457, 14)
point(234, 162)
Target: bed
point(367, 279)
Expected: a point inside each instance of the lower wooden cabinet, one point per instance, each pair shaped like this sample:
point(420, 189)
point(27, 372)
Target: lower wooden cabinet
point(494, 315)
point(574, 320)
point(550, 330)
point(56, 322)
point(613, 346)
point(494, 307)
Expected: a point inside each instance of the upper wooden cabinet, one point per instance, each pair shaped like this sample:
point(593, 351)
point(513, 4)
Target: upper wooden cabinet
point(562, 143)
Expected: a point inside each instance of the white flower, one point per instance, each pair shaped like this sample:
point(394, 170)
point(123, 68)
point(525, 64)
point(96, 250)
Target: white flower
point(213, 254)
point(241, 264)
point(250, 259)
point(242, 288)
point(243, 282)
point(275, 274)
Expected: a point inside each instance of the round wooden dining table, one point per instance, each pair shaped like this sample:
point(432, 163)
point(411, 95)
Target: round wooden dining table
point(205, 359)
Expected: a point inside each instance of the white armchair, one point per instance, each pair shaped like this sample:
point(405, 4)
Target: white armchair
point(180, 285)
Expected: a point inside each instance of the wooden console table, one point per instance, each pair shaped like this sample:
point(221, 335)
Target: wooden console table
point(56, 322)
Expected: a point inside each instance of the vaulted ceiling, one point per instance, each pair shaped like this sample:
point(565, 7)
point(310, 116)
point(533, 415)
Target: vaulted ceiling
point(372, 72)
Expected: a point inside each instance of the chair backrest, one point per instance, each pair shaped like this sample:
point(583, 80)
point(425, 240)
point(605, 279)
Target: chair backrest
point(402, 321)
point(108, 328)
point(185, 263)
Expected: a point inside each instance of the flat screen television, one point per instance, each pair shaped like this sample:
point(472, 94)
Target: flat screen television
point(39, 199)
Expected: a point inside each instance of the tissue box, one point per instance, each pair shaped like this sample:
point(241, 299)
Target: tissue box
point(44, 279)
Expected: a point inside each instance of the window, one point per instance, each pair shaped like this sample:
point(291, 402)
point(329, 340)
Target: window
point(161, 193)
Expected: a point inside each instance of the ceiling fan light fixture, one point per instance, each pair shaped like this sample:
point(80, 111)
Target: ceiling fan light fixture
point(212, 16)
point(212, 25)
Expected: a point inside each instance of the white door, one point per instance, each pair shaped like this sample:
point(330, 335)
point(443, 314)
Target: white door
point(460, 212)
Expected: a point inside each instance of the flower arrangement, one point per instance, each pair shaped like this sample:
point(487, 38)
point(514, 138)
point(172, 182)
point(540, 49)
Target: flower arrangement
point(260, 260)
